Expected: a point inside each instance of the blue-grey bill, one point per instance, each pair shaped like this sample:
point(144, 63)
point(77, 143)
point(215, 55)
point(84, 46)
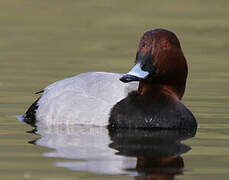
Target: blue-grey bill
point(138, 72)
point(135, 74)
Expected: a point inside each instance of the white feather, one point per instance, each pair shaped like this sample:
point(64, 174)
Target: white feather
point(83, 99)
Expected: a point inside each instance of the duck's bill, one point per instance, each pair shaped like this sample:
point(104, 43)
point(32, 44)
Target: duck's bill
point(135, 74)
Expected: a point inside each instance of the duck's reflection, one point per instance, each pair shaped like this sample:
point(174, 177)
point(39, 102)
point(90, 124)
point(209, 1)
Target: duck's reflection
point(158, 152)
point(142, 153)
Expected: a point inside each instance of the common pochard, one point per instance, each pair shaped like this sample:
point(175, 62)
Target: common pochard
point(149, 97)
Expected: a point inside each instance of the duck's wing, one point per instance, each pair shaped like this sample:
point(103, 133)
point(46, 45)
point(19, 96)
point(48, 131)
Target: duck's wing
point(83, 99)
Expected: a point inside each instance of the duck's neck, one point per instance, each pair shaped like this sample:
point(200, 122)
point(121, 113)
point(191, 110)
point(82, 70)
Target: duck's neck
point(146, 88)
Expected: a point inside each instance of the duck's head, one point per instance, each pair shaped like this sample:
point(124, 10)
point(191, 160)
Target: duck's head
point(159, 61)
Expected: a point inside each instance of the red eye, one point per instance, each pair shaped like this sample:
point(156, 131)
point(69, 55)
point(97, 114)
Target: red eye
point(165, 46)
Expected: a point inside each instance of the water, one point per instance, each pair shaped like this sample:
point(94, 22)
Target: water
point(42, 42)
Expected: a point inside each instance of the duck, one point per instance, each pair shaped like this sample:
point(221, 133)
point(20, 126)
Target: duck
point(148, 96)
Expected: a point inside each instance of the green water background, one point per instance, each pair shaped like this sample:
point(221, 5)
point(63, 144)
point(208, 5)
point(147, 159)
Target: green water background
point(44, 41)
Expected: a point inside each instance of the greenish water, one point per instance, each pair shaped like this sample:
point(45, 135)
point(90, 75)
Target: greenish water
point(42, 42)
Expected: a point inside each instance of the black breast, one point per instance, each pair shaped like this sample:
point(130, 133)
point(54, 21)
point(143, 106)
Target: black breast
point(137, 111)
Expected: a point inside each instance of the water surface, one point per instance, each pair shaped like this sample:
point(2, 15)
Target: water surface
point(42, 42)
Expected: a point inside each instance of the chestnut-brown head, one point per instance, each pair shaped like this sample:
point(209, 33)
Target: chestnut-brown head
point(159, 61)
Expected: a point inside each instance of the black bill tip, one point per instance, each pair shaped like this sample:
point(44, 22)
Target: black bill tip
point(128, 78)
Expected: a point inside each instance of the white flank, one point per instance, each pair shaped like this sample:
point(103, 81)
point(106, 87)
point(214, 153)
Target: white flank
point(83, 99)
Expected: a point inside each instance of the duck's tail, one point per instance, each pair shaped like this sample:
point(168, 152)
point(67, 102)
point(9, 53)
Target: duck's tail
point(30, 116)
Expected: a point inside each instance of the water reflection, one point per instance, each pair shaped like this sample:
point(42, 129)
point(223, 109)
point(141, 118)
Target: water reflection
point(141, 153)
point(158, 152)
